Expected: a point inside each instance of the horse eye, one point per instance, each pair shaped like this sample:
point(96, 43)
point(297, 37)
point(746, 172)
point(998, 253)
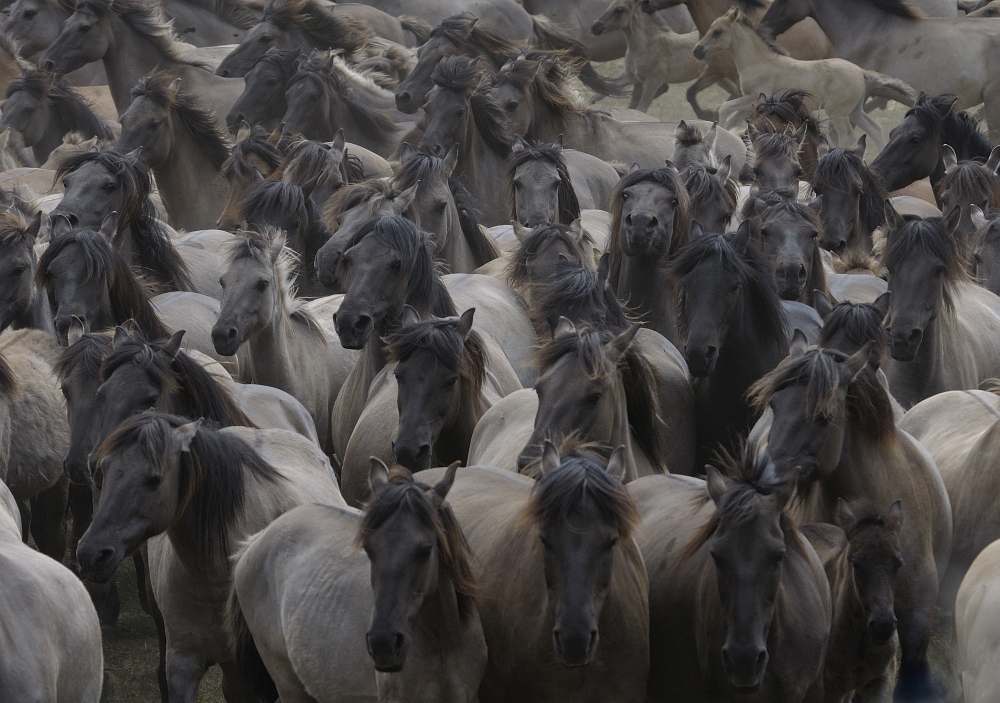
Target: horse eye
point(624, 196)
point(592, 399)
point(271, 81)
point(673, 203)
point(717, 33)
point(19, 270)
point(84, 28)
point(424, 553)
point(914, 140)
point(262, 285)
point(511, 106)
point(153, 481)
point(898, 561)
point(28, 14)
point(265, 39)
point(397, 266)
point(110, 187)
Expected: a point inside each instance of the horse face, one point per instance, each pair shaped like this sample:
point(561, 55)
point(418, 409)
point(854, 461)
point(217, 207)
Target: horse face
point(79, 388)
point(375, 287)
point(839, 211)
point(138, 500)
point(917, 287)
point(987, 258)
point(717, 38)
point(789, 241)
point(413, 91)
point(85, 37)
point(435, 208)
point(779, 174)
point(23, 113)
point(912, 153)
point(615, 17)
point(446, 117)
point(516, 107)
point(91, 194)
point(308, 111)
point(536, 193)
point(147, 126)
point(428, 397)
point(255, 44)
point(17, 262)
point(711, 213)
point(249, 297)
point(801, 446)
point(404, 570)
point(75, 296)
point(748, 555)
point(648, 219)
point(710, 305)
point(263, 99)
point(128, 391)
point(33, 25)
point(348, 223)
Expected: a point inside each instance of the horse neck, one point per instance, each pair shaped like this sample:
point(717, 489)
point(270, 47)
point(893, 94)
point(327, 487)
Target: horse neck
point(187, 172)
point(354, 134)
point(53, 135)
point(748, 49)
point(276, 351)
point(642, 283)
point(704, 12)
point(840, 20)
point(130, 56)
point(746, 355)
point(452, 247)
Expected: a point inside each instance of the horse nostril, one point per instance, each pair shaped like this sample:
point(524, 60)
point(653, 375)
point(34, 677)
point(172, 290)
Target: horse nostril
point(652, 224)
point(915, 336)
point(403, 97)
point(362, 323)
point(104, 557)
point(224, 72)
point(49, 65)
point(628, 219)
point(841, 247)
point(397, 643)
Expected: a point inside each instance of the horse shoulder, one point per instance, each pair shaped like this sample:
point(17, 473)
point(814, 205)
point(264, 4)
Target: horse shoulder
point(917, 475)
point(372, 436)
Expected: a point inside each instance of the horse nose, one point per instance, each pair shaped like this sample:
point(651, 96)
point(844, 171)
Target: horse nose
point(78, 472)
point(642, 221)
point(413, 457)
point(597, 28)
point(882, 627)
point(701, 361)
point(744, 665)
point(575, 650)
point(96, 565)
point(225, 340)
point(387, 650)
point(234, 120)
point(699, 52)
point(49, 65)
point(435, 149)
point(403, 99)
point(224, 72)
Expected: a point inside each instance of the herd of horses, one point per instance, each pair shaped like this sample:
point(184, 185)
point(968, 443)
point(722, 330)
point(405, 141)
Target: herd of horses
point(402, 372)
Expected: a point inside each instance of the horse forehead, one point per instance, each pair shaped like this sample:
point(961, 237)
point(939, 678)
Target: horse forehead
point(649, 192)
point(537, 168)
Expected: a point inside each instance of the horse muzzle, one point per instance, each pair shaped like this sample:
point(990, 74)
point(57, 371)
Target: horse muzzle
point(701, 360)
point(388, 650)
point(790, 281)
point(575, 649)
point(904, 347)
point(354, 329)
point(226, 340)
point(597, 28)
point(882, 627)
point(745, 668)
point(415, 456)
point(97, 563)
point(699, 52)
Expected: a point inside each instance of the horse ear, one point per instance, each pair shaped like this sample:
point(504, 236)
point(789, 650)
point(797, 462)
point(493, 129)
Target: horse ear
point(724, 169)
point(761, 99)
point(994, 160)
point(109, 225)
point(451, 159)
point(520, 231)
point(409, 317)
point(404, 200)
point(753, 132)
point(121, 334)
point(550, 457)
point(60, 224)
point(754, 190)
point(173, 89)
point(257, 175)
point(519, 144)
point(617, 346)
point(952, 218)
point(733, 13)
point(564, 327)
point(895, 519)
point(35, 227)
point(799, 344)
point(978, 218)
point(557, 144)
point(616, 463)
point(716, 483)
point(339, 141)
point(243, 132)
point(862, 144)
point(442, 487)
point(709, 139)
point(856, 362)
point(134, 154)
point(697, 231)
point(802, 132)
point(881, 303)
point(634, 167)
point(741, 239)
point(173, 344)
point(405, 151)
point(378, 475)
point(892, 218)
point(949, 157)
point(275, 138)
point(576, 228)
point(186, 433)
point(465, 322)
point(822, 304)
point(823, 147)
point(276, 246)
point(309, 186)
point(845, 516)
point(816, 204)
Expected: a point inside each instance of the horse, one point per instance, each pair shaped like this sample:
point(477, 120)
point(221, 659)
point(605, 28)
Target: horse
point(656, 55)
point(561, 548)
point(33, 26)
point(194, 492)
point(44, 109)
point(132, 40)
point(457, 113)
point(831, 429)
point(712, 196)
point(734, 329)
point(788, 234)
point(975, 623)
point(53, 632)
point(954, 55)
point(324, 96)
point(852, 201)
point(986, 251)
point(862, 556)
point(286, 346)
point(424, 644)
point(965, 184)
point(776, 166)
point(535, 96)
point(692, 147)
point(787, 110)
point(916, 145)
point(445, 210)
point(22, 306)
point(446, 377)
point(322, 168)
point(938, 320)
point(211, 23)
point(650, 225)
point(255, 149)
point(743, 605)
point(263, 99)
point(539, 251)
point(581, 181)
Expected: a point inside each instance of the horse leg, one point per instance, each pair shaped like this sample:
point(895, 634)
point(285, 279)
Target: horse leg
point(184, 672)
point(633, 103)
point(648, 96)
point(709, 76)
point(914, 682)
point(235, 688)
point(734, 109)
point(161, 630)
point(81, 504)
point(862, 121)
point(48, 519)
point(140, 582)
point(879, 689)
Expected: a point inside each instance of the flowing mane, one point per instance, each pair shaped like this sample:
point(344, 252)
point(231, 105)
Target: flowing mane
point(517, 269)
point(937, 114)
point(154, 250)
point(235, 12)
point(89, 352)
point(789, 107)
point(146, 19)
point(323, 28)
point(240, 163)
point(859, 323)
point(371, 193)
point(307, 159)
point(569, 205)
point(420, 166)
point(579, 294)
point(14, 227)
point(929, 237)
point(8, 381)
point(703, 185)
point(462, 75)
point(177, 373)
point(468, 35)
point(587, 345)
point(266, 199)
point(10, 47)
point(403, 493)
point(128, 299)
point(843, 169)
point(200, 122)
point(213, 473)
point(72, 110)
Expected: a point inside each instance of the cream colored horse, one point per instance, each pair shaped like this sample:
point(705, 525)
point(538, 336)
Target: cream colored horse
point(977, 620)
point(48, 626)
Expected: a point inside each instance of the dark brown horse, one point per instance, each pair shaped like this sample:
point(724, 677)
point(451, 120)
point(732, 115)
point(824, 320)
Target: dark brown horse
point(968, 183)
point(776, 113)
point(254, 149)
point(788, 234)
point(712, 193)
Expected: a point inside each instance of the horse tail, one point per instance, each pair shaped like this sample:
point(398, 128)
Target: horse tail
point(420, 30)
point(248, 660)
point(550, 36)
point(879, 85)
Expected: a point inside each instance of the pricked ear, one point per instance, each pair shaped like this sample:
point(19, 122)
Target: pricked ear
point(949, 157)
point(844, 516)
point(741, 238)
point(761, 99)
point(77, 328)
point(752, 132)
point(892, 218)
point(557, 144)
point(405, 199)
point(860, 148)
point(697, 231)
point(520, 231)
point(173, 344)
point(519, 143)
point(60, 224)
point(564, 327)
point(816, 204)
point(409, 317)
point(634, 167)
point(276, 246)
point(339, 142)
point(894, 520)
point(576, 228)
point(275, 138)
point(716, 483)
point(185, 434)
point(134, 154)
point(442, 487)
point(550, 457)
point(977, 215)
point(616, 463)
point(881, 303)
point(243, 133)
point(799, 344)
point(378, 475)
point(465, 322)
point(803, 131)
point(823, 147)
point(822, 304)
point(709, 139)
point(34, 228)
point(109, 225)
point(121, 335)
point(257, 175)
point(404, 151)
point(617, 346)
point(994, 160)
point(450, 160)
point(856, 362)
point(724, 169)
point(952, 218)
